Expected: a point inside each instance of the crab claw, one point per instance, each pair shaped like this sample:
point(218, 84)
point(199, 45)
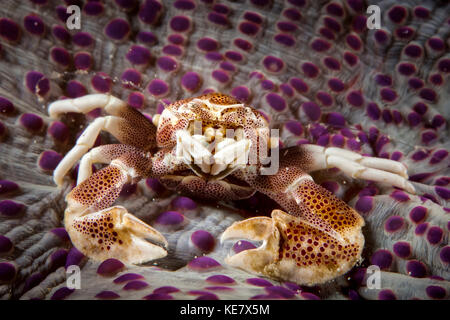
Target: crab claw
point(113, 232)
point(293, 250)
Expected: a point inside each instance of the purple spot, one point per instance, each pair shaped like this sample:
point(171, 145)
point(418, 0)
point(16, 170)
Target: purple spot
point(218, 19)
point(394, 224)
point(9, 30)
point(405, 33)
point(6, 106)
point(203, 240)
point(273, 64)
point(75, 89)
point(170, 218)
point(180, 24)
point(150, 11)
point(31, 122)
point(83, 61)
point(243, 44)
point(117, 29)
point(34, 25)
point(191, 81)
point(259, 282)
point(183, 203)
point(281, 291)
point(320, 45)
point(416, 269)
point(336, 119)
point(62, 293)
point(402, 249)
point(5, 244)
point(147, 38)
point(221, 76)
point(74, 257)
point(61, 56)
point(388, 95)
point(110, 267)
point(309, 296)
point(397, 14)
point(386, 295)
point(310, 69)
point(373, 111)
point(184, 5)
point(242, 245)
point(173, 50)
point(445, 254)
point(176, 39)
point(214, 56)
point(107, 295)
point(382, 258)
point(276, 102)
point(49, 160)
point(61, 34)
point(7, 272)
point(203, 263)
point(399, 196)
point(167, 64)
point(338, 140)
point(442, 192)
point(413, 50)
point(417, 214)
point(82, 39)
point(128, 277)
point(419, 155)
point(444, 65)
point(7, 186)
point(324, 98)
point(220, 279)
point(208, 296)
point(61, 233)
point(436, 292)
point(158, 296)
point(135, 285)
point(428, 137)
point(138, 55)
point(241, 93)
point(355, 98)
point(292, 14)
point(421, 12)
point(428, 94)
point(131, 78)
point(336, 85)
point(207, 44)
point(415, 83)
point(294, 127)
point(434, 235)
point(165, 290)
point(158, 88)
point(436, 44)
point(354, 42)
point(93, 8)
point(351, 59)
point(312, 110)
point(136, 100)
point(101, 82)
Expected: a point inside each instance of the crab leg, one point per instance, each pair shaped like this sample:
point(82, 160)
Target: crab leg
point(357, 166)
point(320, 237)
point(128, 125)
point(102, 232)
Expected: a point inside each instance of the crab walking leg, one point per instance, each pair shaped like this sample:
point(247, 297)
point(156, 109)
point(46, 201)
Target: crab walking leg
point(128, 125)
point(102, 154)
point(320, 235)
point(102, 232)
point(292, 250)
point(357, 166)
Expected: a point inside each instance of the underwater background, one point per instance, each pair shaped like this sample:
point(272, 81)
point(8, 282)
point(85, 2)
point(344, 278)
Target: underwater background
point(312, 67)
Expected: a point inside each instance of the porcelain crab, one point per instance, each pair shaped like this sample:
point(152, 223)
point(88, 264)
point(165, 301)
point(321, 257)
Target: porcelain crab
point(316, 238)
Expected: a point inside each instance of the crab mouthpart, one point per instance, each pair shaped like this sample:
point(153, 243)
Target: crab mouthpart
point(210, 153)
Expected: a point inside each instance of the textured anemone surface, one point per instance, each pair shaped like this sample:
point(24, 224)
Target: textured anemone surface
point(312, 67)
